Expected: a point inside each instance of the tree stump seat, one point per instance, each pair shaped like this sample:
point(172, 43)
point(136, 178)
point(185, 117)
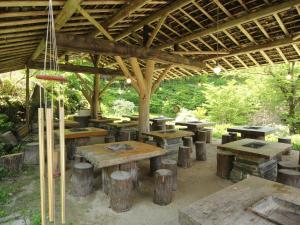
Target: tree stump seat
point(288, 165)
point(289, 177)
point(121, 192)
point(200, 150)
point(171, 165)
point(201, 135)
point(133, 170)
point(208, 135)
point(188, 142)
point(12, 162)
point(82, 179)
point(31, 153)
point(184, 158)
point(224, 163)
point(163, 187)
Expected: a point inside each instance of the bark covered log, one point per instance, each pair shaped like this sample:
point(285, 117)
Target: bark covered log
point(155, 163)
point(184, 158)
point(12, 162)
point(106, 172)
point(188, 142)
point(163, 187)
point(133, 170)
point(82, 179)
point(224, 163)
point(200, 150)
point(289, 177)
point(171, 165)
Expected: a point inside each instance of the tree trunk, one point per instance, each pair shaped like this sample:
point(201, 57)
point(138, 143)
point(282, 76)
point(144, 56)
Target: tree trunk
point(144, 109)
point(95, 99)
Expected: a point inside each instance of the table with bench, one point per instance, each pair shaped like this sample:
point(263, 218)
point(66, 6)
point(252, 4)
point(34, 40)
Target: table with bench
point(253, 132)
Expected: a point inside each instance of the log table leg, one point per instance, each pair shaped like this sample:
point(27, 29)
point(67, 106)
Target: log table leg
point(224, 163)
point(226, 138)
point(200, 150)
point(208, 135)
point(233, 136)
point(121, 193)
point(155, 163)
point(201, 136)
point(133, 170)
point(171, 165)
point(163, 187)
point(184, 159)
point(82, 179)
point(106, 172)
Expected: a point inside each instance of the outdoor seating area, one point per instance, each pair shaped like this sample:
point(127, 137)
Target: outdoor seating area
point(131, 112)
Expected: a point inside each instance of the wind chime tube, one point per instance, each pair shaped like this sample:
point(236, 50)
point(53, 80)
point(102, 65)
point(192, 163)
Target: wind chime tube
point(42, 164)
point(62, 161)
point(49, 130)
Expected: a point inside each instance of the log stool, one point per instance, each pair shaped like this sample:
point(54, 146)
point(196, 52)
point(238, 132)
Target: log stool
point(188, 142)
point(233, 136)
point(163, 187)
point(288, 165)
point(106, 172)
point(208, 135)
point(109, 139)
point(200, 150)
point(286, 141)
point(224, 163)
point(121, 192)
point(82, 179)
point(226, 138)
point(171, 165)
point(201, 135)
point(155, 163)
point(184, 159)
point(31, 153)
point(133, 170)
point(289, 177)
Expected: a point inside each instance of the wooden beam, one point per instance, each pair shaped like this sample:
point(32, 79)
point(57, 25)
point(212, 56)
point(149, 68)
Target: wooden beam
point(283, 28)
point(259, 47)
point(156, 30)
point(107, 86)
point(96, 46)
point(234, 22)
point(282, 55)
point(160, 78)
point(68, 10)
point(201, 52)
point(218, 3)
point(78, 69)
point(164, 11)
point(138, 74)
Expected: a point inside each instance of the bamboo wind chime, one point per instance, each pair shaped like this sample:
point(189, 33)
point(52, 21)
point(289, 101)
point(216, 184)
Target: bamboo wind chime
point(45, 117)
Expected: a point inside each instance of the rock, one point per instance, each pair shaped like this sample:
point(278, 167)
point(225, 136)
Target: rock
point(9, 138)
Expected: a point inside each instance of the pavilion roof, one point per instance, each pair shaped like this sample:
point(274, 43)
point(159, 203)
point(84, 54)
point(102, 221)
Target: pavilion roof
point(244, 33)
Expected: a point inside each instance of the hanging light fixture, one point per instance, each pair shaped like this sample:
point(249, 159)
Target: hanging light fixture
point(128, 81)
point(217, 69)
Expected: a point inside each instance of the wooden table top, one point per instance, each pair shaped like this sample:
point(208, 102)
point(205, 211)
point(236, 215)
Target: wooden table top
point(264, 130)
point(161, 119)
point(100, 156)
point(87, 132)
point(269, 151)
point(197, 124)
point(228, 206)
point(124, 124)
point(166, 135)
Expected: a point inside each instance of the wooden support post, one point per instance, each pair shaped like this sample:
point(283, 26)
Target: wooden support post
point(27, 104)
point(42, 164)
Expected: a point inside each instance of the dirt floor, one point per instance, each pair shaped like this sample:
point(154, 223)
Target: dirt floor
point(193, 183)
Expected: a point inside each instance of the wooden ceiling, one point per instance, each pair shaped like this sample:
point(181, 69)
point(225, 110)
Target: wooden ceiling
point(244, 33)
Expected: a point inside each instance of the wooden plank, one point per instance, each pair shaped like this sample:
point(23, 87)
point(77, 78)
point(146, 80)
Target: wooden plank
point(167, 135)
point(100, 156)
point(229, 206)
point(269, 151)
point(156, 30)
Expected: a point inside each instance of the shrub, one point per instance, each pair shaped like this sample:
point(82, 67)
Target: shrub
point(5, 124)
point(200, 113)
point(185, 115)
point(122, 107)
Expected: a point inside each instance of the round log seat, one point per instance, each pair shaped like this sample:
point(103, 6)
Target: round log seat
point(188, 142)
point(121, 192)
point(208, 135)
point(171, 165)
point(133, 170)
point(224, 163)
point(288, 165)
point(184, 158)
point(200, 150)
point(82, 179)
point(163, 187)
point(226, 138)
point(201, 136)
point(289, 177)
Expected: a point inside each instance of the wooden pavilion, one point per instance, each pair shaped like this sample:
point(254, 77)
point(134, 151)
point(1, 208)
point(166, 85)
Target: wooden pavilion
point(148, 41)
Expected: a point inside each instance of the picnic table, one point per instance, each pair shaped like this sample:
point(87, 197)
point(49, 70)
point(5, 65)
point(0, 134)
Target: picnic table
point(254, 132)
point(79, 137)
point(102, 122)
point(169, 139)
point(128, 126)
point(195, 125)
point(234, 205)
point(132, 117)
point(256, 148)
point(159, 123)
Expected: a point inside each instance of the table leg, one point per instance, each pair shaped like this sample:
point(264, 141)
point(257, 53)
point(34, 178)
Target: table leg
point(155, 163)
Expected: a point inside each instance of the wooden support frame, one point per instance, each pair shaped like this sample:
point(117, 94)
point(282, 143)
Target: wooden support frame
point(27, 103)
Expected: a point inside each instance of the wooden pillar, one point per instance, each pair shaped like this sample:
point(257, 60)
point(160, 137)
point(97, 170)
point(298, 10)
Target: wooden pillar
point(27, 98)
point(95, 104)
